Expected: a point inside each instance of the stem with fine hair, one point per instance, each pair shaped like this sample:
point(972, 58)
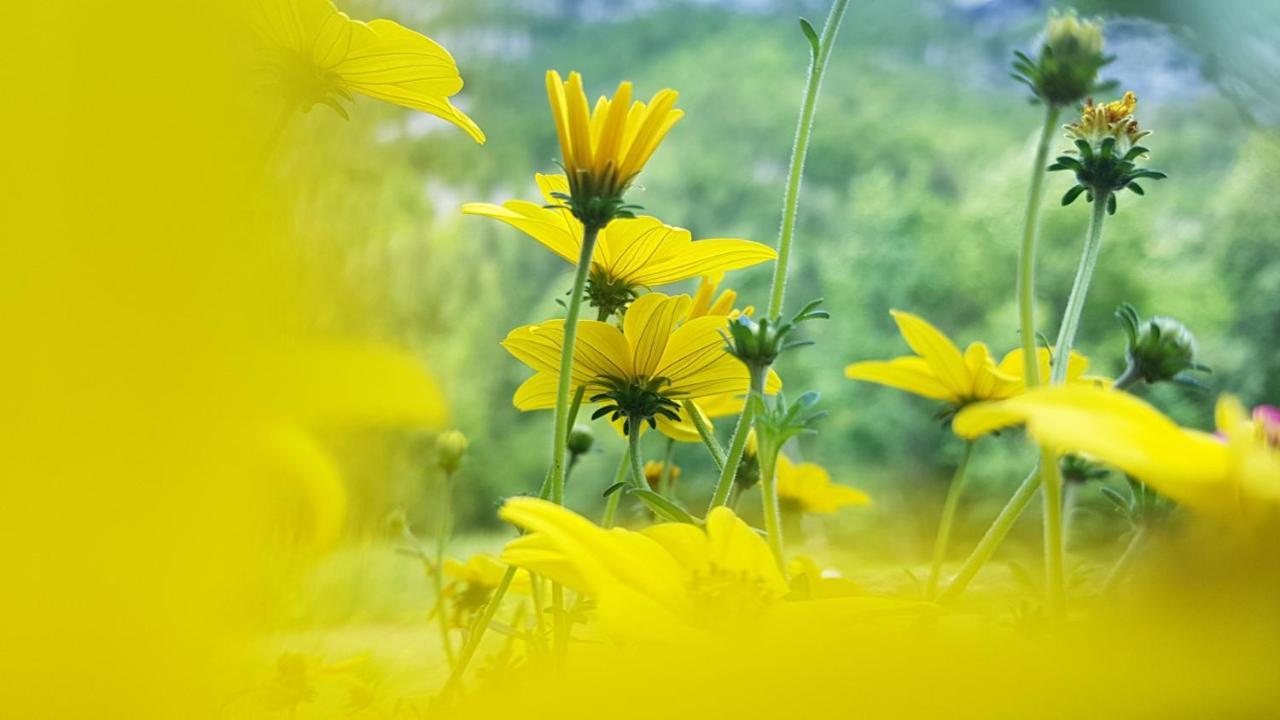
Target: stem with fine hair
point(993, 537)
point(664, 480)
point(1027, 253)
point(633, 455)
point(1079, 290)
point(772, 508)
point(560, 436)
point(706, 433)
point(611, 507)
point(739, 443)
point(820, 52)
point(948, 518)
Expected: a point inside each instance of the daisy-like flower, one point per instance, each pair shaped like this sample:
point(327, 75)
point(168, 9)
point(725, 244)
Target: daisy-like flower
point(653, 473)
point(630, 254)
point(473, 582)
point(939, 371)
point(807, 487)
point(671, 581)
point(639, 373)
point(1106, 138)
point(1066, 68)
point(1236, 471)
point(605, 148)
point(320, 56)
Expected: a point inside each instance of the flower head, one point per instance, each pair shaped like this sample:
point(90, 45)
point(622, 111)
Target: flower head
point(1159, 348)
point(605, 148)
point(939, 370)
point(630, 254)
point(1220, 475)
point(653, 471)
point(807, 487)
point(450, 447)
point(1067, 66)
point(320, 56)
point(1106, 138)
point(639, 373)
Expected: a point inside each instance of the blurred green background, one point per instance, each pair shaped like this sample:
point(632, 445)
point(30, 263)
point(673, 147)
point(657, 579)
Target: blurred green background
point(912, 199)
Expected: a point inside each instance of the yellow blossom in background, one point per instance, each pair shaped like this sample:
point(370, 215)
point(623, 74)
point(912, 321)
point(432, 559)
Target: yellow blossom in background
point(653, 350)
point(604, 148)
point(1221, 475)
point(630, 254)
point(653, 473)
point(1109, 120)
point(319, 55)
point(939, 371)
point(673, 581)
point(808, 488)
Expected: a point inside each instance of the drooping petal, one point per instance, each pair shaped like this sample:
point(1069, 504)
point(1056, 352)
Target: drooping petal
point(911, 374)
point(548, 226)
point(537, 393)
point(398, 65)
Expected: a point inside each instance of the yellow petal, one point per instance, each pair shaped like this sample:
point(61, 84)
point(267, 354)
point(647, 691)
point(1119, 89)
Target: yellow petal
point(685, 259)
point(555, 229)
point(937, 350)
point(696, 363)
point(537, 393)
point(648, 325)
point(629, 245)
point(911, 374)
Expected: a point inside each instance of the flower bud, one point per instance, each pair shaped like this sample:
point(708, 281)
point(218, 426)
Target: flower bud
point(749, 467)
point(581, 438)
point(653, 474)
point(1159, 349)
point(397, 523)
point(1066, 69)
point(450, 447)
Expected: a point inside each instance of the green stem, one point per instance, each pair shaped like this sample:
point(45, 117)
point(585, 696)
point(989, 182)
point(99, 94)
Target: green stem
point(561, 433)
point(804, 129)
point(611, 507)
point(437, 572)
point(1131, 375)
point(993, 537)
point(1124, 562)
point(948, 518)
point(1027, 254)
point(706, 433)
point(1054, 544)
point(633, 455)
point(1079, 291)
point(772, 508)
point(739, 443)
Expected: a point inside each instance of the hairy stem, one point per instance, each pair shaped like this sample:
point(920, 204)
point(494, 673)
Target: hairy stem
point(948, 518)
point(611, 507)
point(995, 535)
point(1079, 291)
point(664, 481)
point(1027, 253)
point(739, 443)
point(707, 434)
point(1121, 569)
point(817, 67)
point(561, 434)
point(772, 509)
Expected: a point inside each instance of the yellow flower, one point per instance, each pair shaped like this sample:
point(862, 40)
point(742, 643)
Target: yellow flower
point(939, 371)
point(808, 487)
point(473, 582)
point(1113, 119)
point(669, 581)
point(321, 56)
point(1215, 474)
point(605, 148)
point(644, 369)
point(630, 253)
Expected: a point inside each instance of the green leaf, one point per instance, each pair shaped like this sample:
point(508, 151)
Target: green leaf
point(613, 488)
point(811, 35)
point(1071, 195)
point(663, 507)
point(1111, 204)
point(1136, 188)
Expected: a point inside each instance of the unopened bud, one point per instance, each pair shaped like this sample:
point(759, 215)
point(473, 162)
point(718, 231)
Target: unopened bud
point(1159, 349)
point(581, 438)
point(450, 447)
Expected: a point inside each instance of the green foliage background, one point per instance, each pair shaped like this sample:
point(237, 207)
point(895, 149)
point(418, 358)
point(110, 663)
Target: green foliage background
point(912, 199)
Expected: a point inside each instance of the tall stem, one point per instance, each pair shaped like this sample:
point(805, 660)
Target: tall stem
point(633, 455)
point(443, 530)
point(706, 433)
point(1125, 561)
point(561, 433)
point(948, 518)
point(739, 443)
point(772, 508)
point(1027, 254)
point(664, 480)
point(817, 67)
point(1079, 291)
point(993, 537)
point(1054, 544)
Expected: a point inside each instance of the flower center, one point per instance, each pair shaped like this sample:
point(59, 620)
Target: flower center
point(635, 401)
point(724, 598)
point(608, 294)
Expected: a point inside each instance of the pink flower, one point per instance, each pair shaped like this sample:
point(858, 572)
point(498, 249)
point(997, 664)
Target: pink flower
point(1267, 417)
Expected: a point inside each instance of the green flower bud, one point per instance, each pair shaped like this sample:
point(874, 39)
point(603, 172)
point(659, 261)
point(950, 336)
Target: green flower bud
point(581, 438)
point(1066, 69)
point(397, 523)
point(450, 447)
point(749, 467)
point(1159, 349)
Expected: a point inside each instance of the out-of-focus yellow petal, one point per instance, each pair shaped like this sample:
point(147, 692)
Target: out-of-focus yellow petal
point(943, 357)
point(911, 374)
point(736, 548)
point(1118, 429)
point(810, 486)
